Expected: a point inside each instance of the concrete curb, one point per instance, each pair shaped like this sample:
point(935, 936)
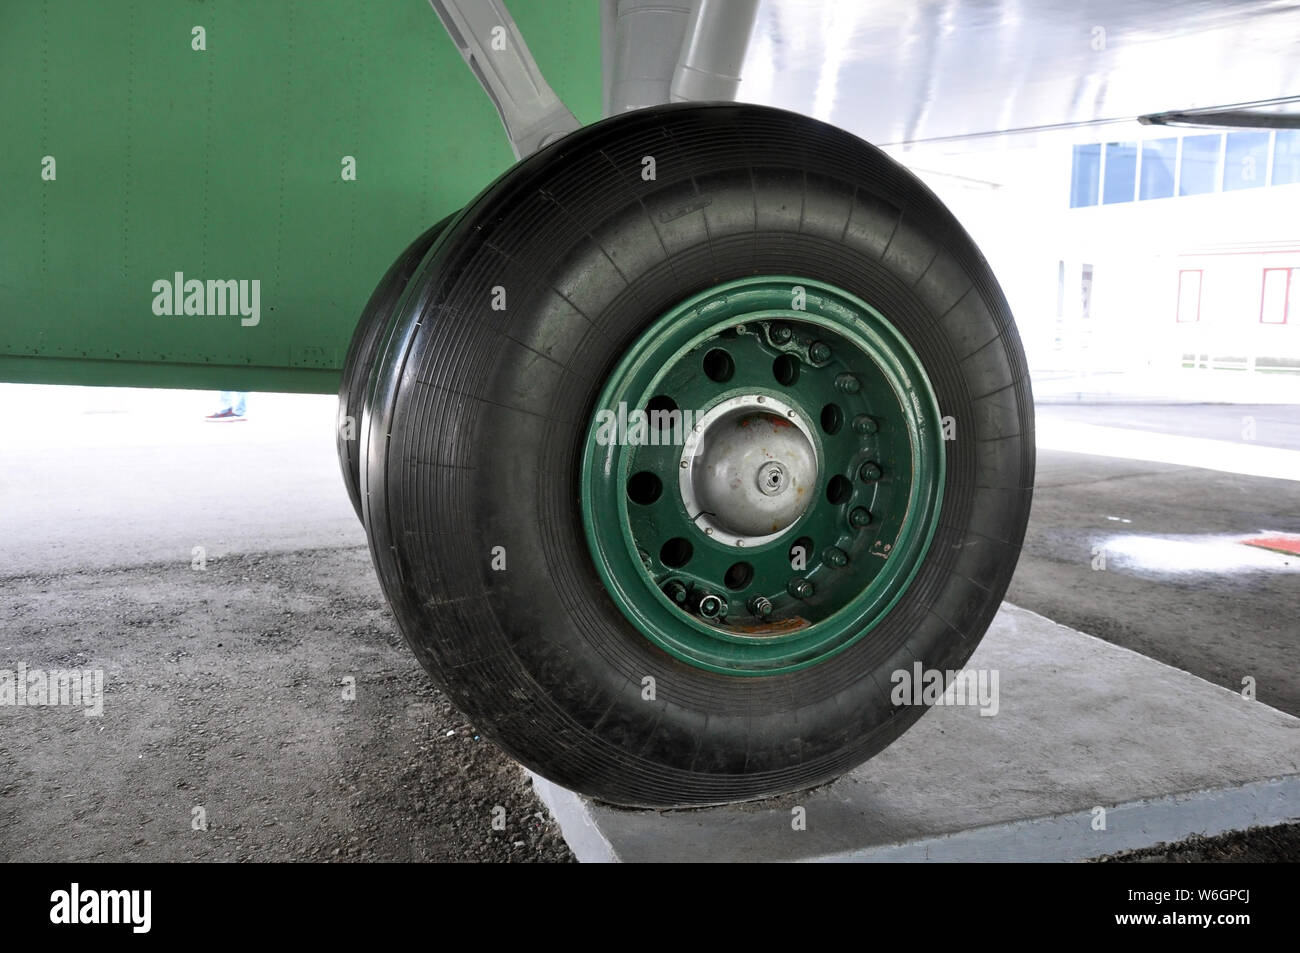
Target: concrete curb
point(1085, 725)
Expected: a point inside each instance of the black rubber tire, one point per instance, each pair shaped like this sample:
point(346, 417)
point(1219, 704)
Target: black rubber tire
point(476, 421)
point(361, 355)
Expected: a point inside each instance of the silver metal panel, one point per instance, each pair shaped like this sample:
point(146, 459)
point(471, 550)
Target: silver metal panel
point(929, 70)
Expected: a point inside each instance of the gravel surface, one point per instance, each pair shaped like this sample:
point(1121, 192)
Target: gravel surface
point(224, 704)
point(1279, 844)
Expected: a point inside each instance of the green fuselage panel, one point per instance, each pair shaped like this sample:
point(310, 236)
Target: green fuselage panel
point(277, 155)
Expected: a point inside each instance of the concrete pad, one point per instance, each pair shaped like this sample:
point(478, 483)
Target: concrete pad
point(1081, 724)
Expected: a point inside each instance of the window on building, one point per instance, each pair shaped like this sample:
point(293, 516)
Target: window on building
point(1112, 173)
point(1245, 160)
point(1199, 171)
point(1286, 157)
point(1121, 172)
point(1159, 157)
point(1189, 296)
point(1279, 286)
point(1085, 176)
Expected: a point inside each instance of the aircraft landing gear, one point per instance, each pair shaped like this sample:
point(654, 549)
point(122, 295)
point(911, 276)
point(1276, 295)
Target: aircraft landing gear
point(686, 435)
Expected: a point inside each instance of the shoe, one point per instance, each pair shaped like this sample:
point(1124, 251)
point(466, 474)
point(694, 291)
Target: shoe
point(224, 416)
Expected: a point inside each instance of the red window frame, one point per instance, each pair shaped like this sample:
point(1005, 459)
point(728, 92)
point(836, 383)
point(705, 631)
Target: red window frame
point(1178, 305)
point(1286, 295)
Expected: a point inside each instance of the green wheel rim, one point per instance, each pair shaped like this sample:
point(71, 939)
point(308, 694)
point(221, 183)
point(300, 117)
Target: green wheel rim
point(771, 368)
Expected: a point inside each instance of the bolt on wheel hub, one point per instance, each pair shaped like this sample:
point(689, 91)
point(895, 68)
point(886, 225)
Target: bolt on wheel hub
point(772, 479)
point(786, 483)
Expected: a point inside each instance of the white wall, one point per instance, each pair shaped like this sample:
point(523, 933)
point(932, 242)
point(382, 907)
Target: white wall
point(1015, 202)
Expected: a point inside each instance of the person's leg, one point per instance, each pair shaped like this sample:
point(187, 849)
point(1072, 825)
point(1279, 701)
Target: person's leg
point(225, 400)
point(237, 404)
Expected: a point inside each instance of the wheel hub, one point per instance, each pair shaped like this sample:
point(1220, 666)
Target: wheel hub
point(796, 502)
point(749, 470)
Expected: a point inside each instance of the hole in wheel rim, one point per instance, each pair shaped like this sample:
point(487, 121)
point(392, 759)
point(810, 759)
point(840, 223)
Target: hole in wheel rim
point(644, 488)
point(786, 369)
point(738, 576)
point(839, 489)
point(800, 553)
point(659, 411)
point(718, 366)
point(675, 553)
point(832, 419)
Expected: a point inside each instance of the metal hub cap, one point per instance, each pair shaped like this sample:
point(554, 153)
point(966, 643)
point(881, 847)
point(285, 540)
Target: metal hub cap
point(748, 470)
point(762, 475)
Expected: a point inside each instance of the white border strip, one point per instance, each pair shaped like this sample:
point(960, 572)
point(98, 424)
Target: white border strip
point(1226, 456)
point(1131, 826)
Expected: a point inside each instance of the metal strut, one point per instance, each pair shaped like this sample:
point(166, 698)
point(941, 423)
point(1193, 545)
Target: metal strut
point(492, 46)
point(659, 51)
point(652, 52)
